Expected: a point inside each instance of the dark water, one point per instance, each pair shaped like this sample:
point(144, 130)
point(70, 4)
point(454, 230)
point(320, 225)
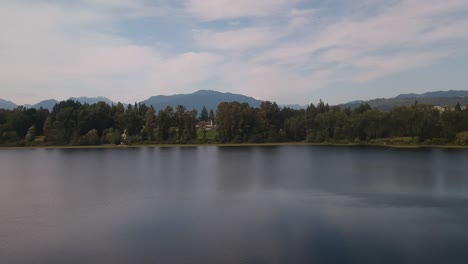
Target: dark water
point(234, 205)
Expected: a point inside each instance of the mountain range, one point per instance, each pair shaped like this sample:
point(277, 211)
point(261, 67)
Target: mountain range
point(46, 104)
point(439, 98)
point(436, 94)
point(211, 99)
point(7, 104)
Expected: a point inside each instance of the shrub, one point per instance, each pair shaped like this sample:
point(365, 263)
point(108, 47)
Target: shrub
point(91, 138)
point(439, 141)
point(112, 137)
point(462, 138)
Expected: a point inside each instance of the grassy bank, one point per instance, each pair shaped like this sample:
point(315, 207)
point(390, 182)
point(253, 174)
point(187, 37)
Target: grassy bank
point(238, 145)
point(421, 146)
point(178, 145)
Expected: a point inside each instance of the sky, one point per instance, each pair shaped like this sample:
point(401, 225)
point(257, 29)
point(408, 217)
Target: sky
point(288, 51)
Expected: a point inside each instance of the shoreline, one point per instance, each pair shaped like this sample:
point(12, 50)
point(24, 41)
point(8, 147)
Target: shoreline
point(237, 145)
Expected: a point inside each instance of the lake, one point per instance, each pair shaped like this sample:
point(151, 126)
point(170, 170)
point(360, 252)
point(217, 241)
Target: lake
point(288, 204)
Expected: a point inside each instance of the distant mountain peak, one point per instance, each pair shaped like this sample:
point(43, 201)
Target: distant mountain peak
point(196, 100)
point(356, 102)
point(446, 94)
point(437, 98)
point(5, 104)
point(46, 104)
point(205, 91)
point(92, 100)
point(89, 98)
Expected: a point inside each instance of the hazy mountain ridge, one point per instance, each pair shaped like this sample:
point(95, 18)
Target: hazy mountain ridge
point(293, 106)
point(50, 103)
point(46, 104)
point(208, 98)
point(435, 94)
point(437, 98)
point(92, 100)
point(5, 104)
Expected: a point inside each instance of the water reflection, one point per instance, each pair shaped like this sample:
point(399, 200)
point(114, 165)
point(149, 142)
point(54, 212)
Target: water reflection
point(234, 205)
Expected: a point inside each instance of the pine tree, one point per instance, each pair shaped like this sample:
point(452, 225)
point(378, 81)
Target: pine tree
point(204, 114)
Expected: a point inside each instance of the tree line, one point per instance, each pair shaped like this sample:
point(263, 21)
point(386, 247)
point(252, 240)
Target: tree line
point(73, 123)
point(416, 124)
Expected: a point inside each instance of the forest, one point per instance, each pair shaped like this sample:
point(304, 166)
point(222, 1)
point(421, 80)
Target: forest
point(71, 123)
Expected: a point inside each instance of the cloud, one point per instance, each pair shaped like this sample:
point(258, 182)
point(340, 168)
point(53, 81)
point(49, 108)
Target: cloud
point(272, 82)
point(235, 23)
point(181, 72)
point(52, 51)
point(400, 37)
point(273, 49)
point(228, 9)
point(129, 8)
point(239, 39)
point(306, 54)
point(373, 67)
point(299, 18)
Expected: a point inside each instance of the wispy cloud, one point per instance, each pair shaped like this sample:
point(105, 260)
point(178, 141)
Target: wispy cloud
point(402, 36)
point(299, 18)
point(227, 9)
point(52, 51)
point(129, 8)
point(273, 49)
point(239, 39)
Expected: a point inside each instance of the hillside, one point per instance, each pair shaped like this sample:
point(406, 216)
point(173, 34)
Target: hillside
point(92, 100)
point(209, 99)
point(436, 94)
point(50, 103)
point(46, 104)
point(4, 104)
point(439, 98)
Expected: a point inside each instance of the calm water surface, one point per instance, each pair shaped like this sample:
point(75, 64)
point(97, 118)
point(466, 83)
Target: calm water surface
point(242, 205)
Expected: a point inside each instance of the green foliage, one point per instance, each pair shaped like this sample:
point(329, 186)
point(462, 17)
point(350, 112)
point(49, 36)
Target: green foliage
point(112, 136)
point(438, 141)
point(66, 125)
point(9, 137)
point(462, 138)
point(236, 122)
point(31, 134)
point(294, 127)
point(269, 122)
point(96, 116)
point(150, 125)
point(49, 131)
point(133, 120)
point(207, 135)
point(71, 123)
point(91, 138)
point(204, 114)
point(211, 116)
point(131, 140)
